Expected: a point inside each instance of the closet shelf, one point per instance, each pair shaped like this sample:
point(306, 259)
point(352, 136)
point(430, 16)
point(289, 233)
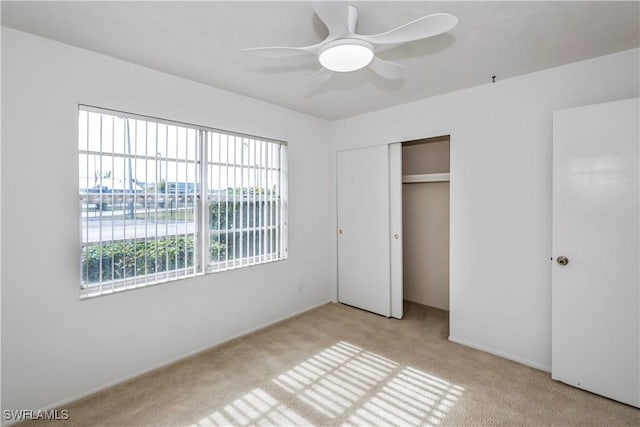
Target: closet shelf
point(425, 177)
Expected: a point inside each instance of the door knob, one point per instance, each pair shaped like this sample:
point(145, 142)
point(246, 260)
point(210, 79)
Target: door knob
point(562, 260)
point(340, 231)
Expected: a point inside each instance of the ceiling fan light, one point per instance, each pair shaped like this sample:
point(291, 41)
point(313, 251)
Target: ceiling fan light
point(346, 55)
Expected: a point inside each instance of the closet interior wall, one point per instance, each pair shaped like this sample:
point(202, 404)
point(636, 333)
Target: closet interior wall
point(425, 218)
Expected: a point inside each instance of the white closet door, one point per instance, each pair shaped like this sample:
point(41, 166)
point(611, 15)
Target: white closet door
point(595, 289)
point(395, 220)
point(363, 229)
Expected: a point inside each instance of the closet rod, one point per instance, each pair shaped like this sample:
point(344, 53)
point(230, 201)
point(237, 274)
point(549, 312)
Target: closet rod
point(427, 177)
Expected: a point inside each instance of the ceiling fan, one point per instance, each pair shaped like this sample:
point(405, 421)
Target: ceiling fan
point(344, 50)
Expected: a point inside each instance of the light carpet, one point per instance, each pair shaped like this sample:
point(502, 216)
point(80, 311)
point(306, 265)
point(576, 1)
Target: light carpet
point(340, 366)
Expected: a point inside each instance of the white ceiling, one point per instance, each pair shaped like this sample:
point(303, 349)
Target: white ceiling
point(202, 41)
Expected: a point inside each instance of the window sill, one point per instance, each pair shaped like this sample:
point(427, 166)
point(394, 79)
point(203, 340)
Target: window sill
point(117, 287)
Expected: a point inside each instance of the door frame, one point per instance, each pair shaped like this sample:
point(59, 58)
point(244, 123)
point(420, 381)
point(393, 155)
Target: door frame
point(397, 302)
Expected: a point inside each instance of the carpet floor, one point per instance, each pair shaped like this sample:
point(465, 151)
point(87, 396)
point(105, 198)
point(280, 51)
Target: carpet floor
point(340, 366)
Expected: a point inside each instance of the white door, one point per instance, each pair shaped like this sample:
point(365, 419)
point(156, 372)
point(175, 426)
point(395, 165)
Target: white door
point(364, 246)
point(395, 221)
point(595, 296)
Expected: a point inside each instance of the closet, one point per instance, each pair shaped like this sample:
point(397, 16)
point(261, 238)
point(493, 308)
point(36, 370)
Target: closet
point(425, 221)
point(393, 225)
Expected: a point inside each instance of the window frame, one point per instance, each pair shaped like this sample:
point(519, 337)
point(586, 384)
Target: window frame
point(203, 259)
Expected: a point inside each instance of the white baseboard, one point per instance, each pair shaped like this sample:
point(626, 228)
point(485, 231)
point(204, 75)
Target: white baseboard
point(500, 354)
point(207, 347)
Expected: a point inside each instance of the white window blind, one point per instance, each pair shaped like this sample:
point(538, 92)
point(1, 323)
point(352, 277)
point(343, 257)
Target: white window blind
point(161, 200)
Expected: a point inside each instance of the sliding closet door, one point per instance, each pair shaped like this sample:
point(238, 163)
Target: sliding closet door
point(396, 237)
point(363, 229)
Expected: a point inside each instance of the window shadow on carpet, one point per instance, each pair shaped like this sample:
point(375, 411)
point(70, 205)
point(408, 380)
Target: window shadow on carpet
point(343, 385)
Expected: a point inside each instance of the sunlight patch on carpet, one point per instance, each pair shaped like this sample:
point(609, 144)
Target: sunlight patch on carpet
point(370, 389)
point(347, 385)
point(254, 408)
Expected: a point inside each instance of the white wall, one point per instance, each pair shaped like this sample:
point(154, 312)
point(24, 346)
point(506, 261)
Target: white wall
point(56, 347)
point(425, 250)
point(501, 136)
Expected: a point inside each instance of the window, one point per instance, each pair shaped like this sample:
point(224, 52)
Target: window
point(160, 200)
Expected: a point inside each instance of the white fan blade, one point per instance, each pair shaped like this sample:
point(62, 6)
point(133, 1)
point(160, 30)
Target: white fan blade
point(352, 19)
point(335, 15)
point(319, 77)
point(280, 52)
point(386, 69)
point(421, 28)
